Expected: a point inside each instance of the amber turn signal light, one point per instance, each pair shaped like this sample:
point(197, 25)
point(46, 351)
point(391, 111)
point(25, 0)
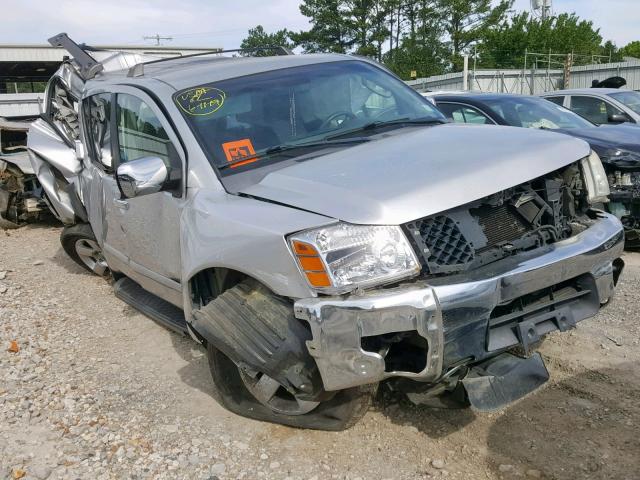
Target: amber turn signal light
point(311, 264)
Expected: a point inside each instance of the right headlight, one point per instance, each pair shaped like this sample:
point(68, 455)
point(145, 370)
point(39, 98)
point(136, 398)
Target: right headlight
point(341, 257)
point(595, 179)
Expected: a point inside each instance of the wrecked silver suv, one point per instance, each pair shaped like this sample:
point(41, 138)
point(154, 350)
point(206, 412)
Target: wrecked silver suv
point(312, 222)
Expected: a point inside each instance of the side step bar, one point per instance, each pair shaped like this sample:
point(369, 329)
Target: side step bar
point(163, 312)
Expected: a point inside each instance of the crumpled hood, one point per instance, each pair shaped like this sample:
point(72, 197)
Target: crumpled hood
point(418, 172)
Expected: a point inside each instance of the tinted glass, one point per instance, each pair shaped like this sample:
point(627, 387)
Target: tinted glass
point(628, 98)
point(556, 100)
point(593, 109)
point(97, 115)
point(534, 112)
point(463, 114)
point(140, 133)
point(245, 116)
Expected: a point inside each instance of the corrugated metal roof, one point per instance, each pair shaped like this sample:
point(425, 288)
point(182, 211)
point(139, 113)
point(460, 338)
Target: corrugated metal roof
point(45, 53)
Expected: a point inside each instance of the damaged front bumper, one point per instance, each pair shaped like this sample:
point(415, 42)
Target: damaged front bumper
point(465, 319)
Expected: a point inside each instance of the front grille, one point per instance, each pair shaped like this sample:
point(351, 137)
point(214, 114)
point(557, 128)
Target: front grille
point(445, 242)
point(500, 224)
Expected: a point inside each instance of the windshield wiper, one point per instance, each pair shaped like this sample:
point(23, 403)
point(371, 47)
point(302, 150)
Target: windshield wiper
point(387, 123)
point(286, 147)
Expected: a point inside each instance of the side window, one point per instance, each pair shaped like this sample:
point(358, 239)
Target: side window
point(140, 133)
point(594, 109)
point(97, 119)
point(464, 114)
point(556, 100)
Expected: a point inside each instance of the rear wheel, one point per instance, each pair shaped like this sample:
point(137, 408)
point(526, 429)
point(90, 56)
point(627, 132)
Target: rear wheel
point(83, 248)
point(260, 397)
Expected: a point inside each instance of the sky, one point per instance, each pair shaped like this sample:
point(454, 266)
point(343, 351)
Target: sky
point(221, 23)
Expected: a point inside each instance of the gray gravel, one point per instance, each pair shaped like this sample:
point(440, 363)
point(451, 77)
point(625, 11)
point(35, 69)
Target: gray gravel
point(98, 391)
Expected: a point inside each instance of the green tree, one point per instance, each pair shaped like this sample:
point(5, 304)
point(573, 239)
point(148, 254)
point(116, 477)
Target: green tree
point(631, 50)
point(329, 32)
point(258, 38)
point(466, 22)
point(505, 45)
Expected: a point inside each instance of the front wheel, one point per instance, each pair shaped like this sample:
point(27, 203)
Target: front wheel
point(260, 397)
point(83, 248)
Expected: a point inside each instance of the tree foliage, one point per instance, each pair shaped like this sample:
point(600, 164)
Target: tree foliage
point(631, 50)
point(429, 37)
point(505, 46)
point(258, 38)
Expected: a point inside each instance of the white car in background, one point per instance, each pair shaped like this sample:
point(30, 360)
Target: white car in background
point(600, 105)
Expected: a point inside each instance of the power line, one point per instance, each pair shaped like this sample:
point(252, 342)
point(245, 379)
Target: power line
point(157, 38)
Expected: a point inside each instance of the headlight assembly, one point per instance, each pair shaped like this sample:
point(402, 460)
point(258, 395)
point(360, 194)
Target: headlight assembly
point(341, 257)
point(595, 179)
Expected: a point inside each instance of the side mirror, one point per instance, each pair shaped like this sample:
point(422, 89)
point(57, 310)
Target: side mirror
point(142, 177)
point(619, 118)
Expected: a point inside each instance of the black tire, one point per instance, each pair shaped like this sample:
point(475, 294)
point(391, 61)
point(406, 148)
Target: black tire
point(71, 238)
point(340, 412)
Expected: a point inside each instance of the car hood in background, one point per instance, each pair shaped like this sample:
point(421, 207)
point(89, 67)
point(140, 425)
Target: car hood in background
point(418, 172)
point(609, 136)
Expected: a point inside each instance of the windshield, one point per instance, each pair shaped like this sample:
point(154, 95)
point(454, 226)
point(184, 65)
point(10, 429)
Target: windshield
point(628, 98)
point(533, 112)
point(241, 121)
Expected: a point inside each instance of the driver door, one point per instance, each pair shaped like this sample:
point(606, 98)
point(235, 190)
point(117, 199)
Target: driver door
point(150, 223)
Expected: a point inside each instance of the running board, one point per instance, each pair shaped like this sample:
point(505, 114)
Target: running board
point(163, 312)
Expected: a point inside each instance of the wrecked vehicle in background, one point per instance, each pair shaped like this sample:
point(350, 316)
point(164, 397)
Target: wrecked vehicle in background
point(314, 224)
point(618, 146)
point(21, 197)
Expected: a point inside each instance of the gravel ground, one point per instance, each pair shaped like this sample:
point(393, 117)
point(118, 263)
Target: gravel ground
point(91, 389)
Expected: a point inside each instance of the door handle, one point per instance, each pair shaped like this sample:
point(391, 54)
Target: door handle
point(123, 204)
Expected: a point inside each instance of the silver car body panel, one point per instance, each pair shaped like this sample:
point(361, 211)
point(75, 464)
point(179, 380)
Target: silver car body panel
point(338, 324)
point(420, 172)
point(601, 93)
point(50, 154)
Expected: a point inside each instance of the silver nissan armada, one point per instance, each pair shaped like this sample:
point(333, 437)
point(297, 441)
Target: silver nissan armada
point(317, 226)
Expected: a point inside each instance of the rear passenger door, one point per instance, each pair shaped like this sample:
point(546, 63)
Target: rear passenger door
point(100, 189)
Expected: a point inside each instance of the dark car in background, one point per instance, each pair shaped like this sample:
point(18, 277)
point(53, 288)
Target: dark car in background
point(617, 145)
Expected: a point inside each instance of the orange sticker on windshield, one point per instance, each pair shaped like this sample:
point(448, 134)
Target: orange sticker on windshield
point(238, 150)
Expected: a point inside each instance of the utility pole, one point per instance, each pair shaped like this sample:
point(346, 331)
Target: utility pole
point(157, 38)
point(567, 69)
point(465, 74)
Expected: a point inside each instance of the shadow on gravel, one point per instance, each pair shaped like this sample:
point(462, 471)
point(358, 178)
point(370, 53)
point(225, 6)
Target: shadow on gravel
point(61, 259)
point(196, 372)
point(433, 422)
point(585, 427)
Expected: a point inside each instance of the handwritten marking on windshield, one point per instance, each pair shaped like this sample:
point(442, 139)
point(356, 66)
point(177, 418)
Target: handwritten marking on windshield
point(201, 101)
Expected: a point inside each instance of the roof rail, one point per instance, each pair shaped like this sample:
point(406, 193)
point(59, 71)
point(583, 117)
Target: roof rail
point(88, 66)
point(138, 70)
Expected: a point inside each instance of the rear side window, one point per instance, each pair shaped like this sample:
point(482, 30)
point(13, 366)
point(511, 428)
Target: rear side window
point(140, 132)
point(97, 114)
point(464, 114)
point(556, 100)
